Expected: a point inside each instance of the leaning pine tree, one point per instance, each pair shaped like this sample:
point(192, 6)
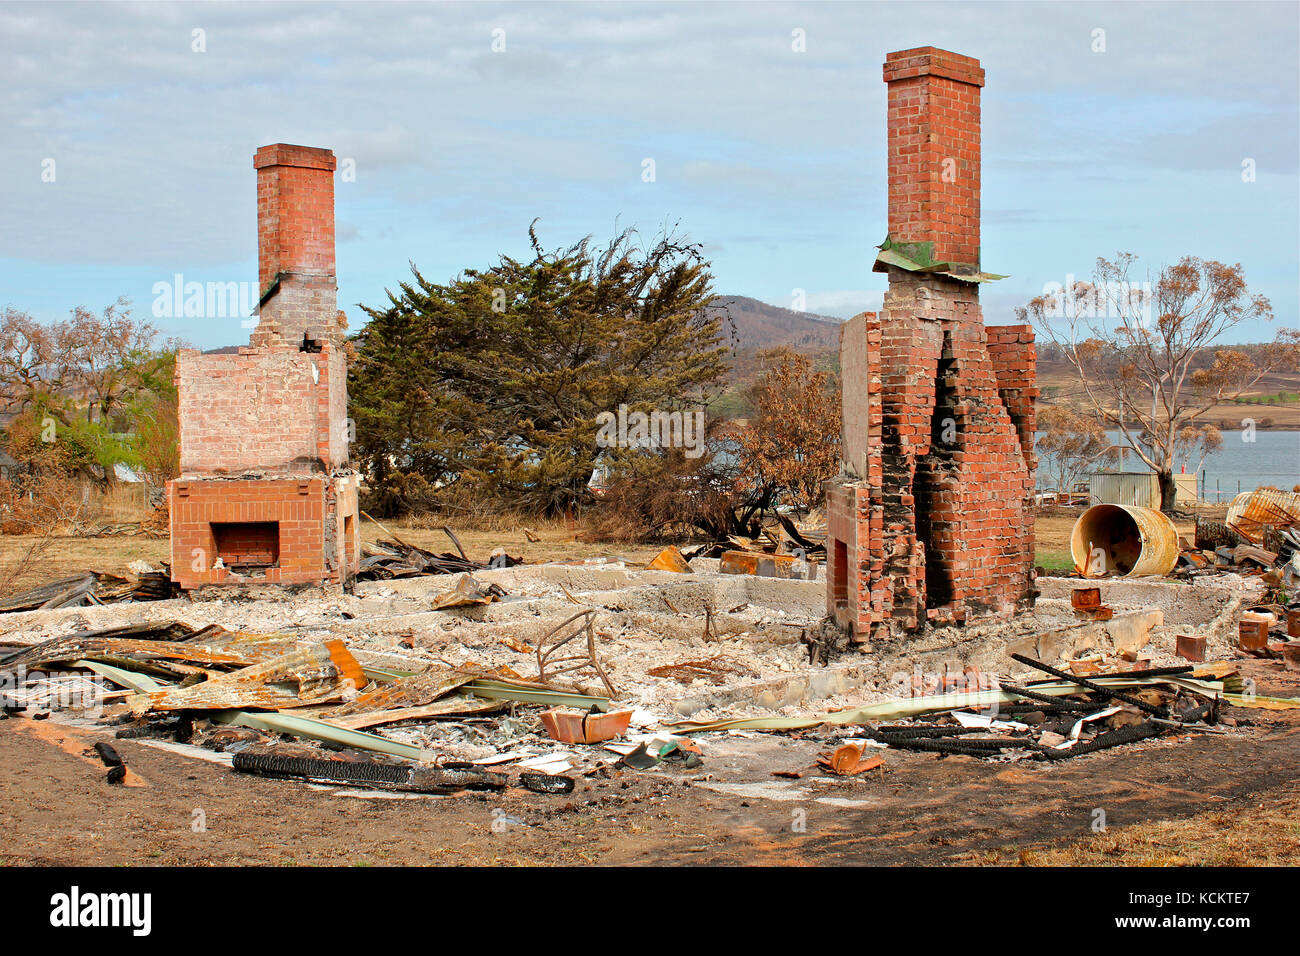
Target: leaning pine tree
point(494, 380)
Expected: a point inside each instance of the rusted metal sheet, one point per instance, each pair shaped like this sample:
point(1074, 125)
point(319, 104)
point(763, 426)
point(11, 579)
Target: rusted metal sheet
point(670, 559)
point(315, 674)
point(766, 565)
point(1252, 632)
point(416, 690)
point(1087, 604)
point(1253, 511)
point(1085, 599)
point(62, 650)
point(714, 670)
point(438, 708)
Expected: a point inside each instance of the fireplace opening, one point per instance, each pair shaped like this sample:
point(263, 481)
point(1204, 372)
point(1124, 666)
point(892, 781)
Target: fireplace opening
point(247, 544)
point(934, 496)
point(840, 579)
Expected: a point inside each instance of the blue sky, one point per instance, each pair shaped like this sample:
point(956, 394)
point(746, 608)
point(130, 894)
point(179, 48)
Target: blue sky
point(774, 159)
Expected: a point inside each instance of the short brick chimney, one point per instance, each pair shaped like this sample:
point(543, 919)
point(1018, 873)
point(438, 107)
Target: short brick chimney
point(934, 152)
point(266, 493)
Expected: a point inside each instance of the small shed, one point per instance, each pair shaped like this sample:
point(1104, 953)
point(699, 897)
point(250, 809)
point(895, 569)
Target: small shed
point(1140, 488)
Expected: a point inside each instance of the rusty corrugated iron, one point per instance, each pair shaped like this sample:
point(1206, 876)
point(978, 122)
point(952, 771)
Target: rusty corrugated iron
point(1251, 512)
point(315, 674)
point(414, 690)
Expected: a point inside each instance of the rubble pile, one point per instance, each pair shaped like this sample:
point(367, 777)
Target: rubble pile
point(90, 588)
point(542, 699)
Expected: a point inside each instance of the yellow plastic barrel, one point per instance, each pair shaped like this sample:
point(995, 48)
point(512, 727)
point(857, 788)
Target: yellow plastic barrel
point(1125, 539)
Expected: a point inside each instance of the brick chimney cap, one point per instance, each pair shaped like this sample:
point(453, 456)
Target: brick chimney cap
point(286, 154)
point(931, 61)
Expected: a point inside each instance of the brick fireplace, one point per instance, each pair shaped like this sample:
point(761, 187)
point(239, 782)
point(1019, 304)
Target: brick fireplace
point(266, 492)
point(930, 518)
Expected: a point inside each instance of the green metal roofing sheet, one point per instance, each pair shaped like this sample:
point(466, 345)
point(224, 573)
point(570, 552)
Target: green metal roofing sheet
point(919, 257)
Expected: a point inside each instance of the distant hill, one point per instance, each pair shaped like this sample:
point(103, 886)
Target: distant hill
point(762, 326)
point(758, 327)
point(1274, 402)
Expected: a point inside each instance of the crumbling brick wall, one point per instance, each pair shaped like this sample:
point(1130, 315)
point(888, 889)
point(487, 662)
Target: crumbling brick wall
point(1011, 348)
point(266, 490)
point(945, 533)
point(856, 591)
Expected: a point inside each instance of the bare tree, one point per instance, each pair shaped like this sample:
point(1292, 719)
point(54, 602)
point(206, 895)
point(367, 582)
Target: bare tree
point(36, 364)
point(792, 444)
point(1070, 443)
point(1145, 353)
point(113, 357)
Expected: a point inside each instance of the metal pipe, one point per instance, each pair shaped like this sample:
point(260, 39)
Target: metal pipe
point(1124, 539)
point(1084, 682)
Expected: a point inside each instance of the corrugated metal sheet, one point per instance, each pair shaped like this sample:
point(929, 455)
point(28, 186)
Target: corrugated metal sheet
point(1137, 488)
point(1124, 488)
point(1252, 511)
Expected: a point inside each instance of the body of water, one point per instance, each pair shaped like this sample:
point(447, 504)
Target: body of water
point(1245, 462)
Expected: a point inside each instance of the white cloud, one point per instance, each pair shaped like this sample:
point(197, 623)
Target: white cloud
point(457, 147)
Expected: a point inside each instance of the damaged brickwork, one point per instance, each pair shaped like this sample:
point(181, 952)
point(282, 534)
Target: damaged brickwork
point(931, 517)
point(266, 492)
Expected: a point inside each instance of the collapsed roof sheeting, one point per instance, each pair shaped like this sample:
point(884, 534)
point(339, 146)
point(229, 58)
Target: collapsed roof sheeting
point(919, 257)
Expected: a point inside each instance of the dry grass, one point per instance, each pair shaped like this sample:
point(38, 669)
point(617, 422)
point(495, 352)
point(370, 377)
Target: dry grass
point(1061, 383)
point(56, 558)
point(1265, 832)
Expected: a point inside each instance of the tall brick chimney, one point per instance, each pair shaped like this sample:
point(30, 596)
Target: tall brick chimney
point(934, 152)
point(930, 519)
point(295, 244)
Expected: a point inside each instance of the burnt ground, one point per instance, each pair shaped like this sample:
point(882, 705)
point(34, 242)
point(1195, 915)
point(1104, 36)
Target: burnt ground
point(57, 808)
